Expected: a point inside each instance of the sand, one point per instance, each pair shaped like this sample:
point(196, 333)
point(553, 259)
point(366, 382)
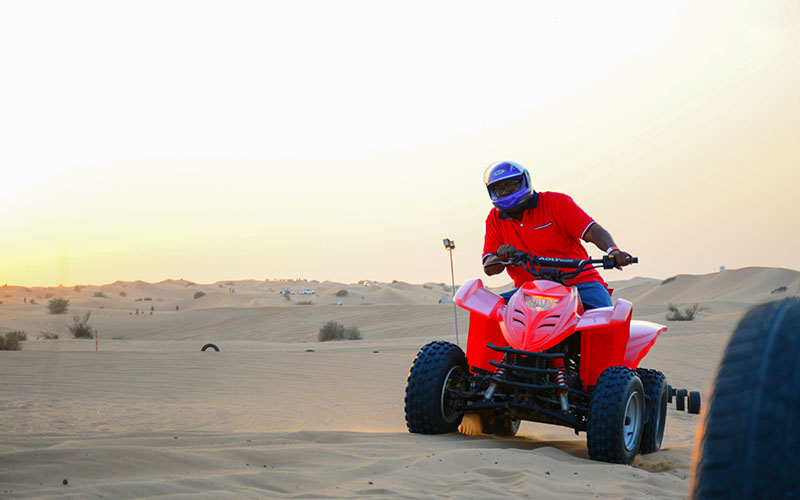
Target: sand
point(277, 414)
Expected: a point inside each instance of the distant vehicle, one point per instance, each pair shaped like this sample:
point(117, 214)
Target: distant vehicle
point(307, 291)
point(286, 292)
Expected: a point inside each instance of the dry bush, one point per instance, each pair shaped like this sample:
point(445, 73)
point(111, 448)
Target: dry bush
point(99, 294)
point(341, 293)
point(80, 327)
point(11, 341)
point(44, 335)
point(687, 314)
point(671, 278)
point(58, 305)
point(197, 295)
point(335, 331)
point(780, 289)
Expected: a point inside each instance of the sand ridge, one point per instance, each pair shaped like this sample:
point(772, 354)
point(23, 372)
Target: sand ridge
point(277, 414)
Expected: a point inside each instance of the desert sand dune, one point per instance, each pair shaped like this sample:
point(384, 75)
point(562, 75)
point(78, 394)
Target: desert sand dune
point(277, 414)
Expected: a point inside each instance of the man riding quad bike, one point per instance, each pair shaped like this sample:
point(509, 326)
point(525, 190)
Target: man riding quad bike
point(543, 358)
point(555, 349)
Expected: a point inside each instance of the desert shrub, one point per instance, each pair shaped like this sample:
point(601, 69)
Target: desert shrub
point(671, 278)
point(99, 294)
point(687, 314)
point(287, 297)
point(49, 295)
point(197, 295)
point(304, 303)
point(78, 288)
point(33, 302)
point(11, 341)
point(335, 331)
point(19, 335)
point(123, 294)
point(780, 289)
point(147, 299)
point(352, 333)
point(341, 293)
point(80, 327)
point(58, 305)
point(43, 335)
point(429, 287)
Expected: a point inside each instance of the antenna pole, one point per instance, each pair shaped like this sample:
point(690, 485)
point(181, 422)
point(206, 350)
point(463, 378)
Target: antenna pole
point(450, 245)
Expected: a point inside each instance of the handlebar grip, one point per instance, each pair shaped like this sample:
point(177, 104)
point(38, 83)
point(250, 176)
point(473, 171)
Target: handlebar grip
point(636, 260)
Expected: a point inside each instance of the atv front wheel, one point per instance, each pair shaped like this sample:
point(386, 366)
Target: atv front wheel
point(435, 377)
point(656, 391)
point(616, 416)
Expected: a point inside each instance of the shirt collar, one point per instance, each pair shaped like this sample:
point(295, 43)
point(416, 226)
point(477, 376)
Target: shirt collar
point(532, 203)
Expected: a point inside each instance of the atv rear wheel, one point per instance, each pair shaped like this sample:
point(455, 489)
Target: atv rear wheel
point(500, 426)
point(431, 404)
point(656, 391)
point(616, 416)
point(748, 438)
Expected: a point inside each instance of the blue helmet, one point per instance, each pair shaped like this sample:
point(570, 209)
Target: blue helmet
point(503, 171)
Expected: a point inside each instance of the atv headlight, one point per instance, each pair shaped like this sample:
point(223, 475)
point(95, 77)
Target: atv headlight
point(540, 302)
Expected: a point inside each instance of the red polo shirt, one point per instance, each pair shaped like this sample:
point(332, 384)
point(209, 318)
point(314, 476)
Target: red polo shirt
point(551, 226)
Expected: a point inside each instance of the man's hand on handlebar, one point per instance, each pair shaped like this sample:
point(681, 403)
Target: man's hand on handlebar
point(621, 258)
point(504, 251)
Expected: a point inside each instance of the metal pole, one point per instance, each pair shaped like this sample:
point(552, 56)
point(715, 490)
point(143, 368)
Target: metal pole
point(453, 281)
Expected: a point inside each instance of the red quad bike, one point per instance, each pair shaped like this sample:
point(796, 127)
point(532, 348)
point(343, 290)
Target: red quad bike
point(543, 358)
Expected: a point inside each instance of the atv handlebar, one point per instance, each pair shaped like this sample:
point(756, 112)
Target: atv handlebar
point(548, 267)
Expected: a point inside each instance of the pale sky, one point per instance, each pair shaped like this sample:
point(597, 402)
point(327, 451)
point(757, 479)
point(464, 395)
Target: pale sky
point(343, 140)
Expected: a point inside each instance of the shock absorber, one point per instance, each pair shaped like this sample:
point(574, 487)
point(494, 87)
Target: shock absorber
point(561, 380)
point(493, 385)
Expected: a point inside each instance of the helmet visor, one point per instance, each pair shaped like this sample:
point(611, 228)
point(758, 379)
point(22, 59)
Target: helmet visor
point(505, 187)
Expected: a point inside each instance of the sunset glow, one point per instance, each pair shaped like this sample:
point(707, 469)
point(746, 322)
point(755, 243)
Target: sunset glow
point(343, 141)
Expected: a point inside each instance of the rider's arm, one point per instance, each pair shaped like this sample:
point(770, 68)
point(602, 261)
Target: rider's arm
point(492, 261)
point(602, 239)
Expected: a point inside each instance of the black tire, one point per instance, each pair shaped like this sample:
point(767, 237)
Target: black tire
point(616, 416)
point(680, 400)
point(428, 406)
point(656, 391)
point(669, 394)
point(749, 436)
point(693, 403)
point(210, 346)
point(500, 426)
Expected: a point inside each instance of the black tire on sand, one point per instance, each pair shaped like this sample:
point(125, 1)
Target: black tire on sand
point(656, 391)
point(749, 434)
point(428, 405)
point(616, 416)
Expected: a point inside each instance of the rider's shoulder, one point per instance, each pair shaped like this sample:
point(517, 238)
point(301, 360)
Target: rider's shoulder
point(553, 197)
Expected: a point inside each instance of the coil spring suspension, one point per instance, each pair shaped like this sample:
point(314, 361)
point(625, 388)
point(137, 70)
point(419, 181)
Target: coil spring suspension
point(561, 380)
point(500, 372)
